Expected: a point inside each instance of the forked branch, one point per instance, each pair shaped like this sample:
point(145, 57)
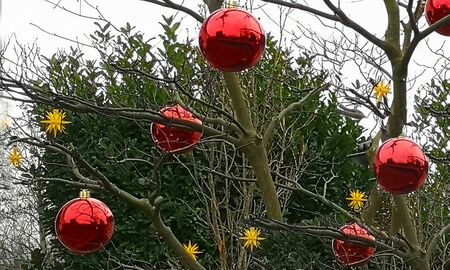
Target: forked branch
point(151, 210)
point(288, 110)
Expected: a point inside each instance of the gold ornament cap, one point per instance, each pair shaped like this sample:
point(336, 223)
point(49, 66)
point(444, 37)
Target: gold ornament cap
point(85, 194)
point(232, 4)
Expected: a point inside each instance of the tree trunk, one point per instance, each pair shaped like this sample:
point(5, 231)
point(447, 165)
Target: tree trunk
point(420, 264)
point(257, 158)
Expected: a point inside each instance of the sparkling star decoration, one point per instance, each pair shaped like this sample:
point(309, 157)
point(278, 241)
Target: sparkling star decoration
point(356, 200)
point(381, 90)
point(55, 122)
point(15, 158)
point(251, 238)
point(192, 250)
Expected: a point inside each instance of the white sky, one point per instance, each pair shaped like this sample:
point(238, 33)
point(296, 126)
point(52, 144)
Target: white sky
point(19, 15)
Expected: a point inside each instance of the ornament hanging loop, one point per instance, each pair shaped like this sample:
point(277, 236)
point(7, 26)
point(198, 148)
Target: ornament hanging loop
point(85, 194)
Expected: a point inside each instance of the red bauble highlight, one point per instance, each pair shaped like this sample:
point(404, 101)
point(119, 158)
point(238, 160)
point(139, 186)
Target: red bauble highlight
point(84, 225)
point(436, 10)
point(175, 140)
point(400, 166)
point(352, 254)
point(232, 40)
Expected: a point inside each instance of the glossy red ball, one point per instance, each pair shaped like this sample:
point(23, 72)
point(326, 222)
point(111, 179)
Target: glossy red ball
point(176, 140)
point(232, 40)
point(400, 166)
point(436, 10)
point(352, 254)
point(84, 225)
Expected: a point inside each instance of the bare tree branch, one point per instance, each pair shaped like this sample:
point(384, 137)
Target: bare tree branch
point(325, 232)
point(288, 110)
point(434, 242)
point(150, 210)
point(172, 5)
point(305, 8)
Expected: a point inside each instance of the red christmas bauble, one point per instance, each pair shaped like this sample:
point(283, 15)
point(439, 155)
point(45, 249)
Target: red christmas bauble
point(175, 140)
point(436, 10)
point(400, 166)
point(232, 40)
point(352, 254)
point(84, 225)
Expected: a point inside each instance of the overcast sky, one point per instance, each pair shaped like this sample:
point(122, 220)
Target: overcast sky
point(19, 17)
point(23, 18)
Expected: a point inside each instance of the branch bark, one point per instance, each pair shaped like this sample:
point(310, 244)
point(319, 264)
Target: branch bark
point(253, 147)
point(393, 29)
point(434, 242)
point(172, 5)
point(338, 16)
point(326, 232)
point(422, 35)
point(306, 8)
point(152, 211)
point(38, 95)
point(288, 110)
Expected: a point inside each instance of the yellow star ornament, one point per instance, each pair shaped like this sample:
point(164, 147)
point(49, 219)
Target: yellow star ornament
point(381, 90)
point(356, 200)
point(251, 238)
point(15, 158)
point(55, 122)
point(192, 250)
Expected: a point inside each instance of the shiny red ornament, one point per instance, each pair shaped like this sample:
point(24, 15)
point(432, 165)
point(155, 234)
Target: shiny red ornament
point(84, 225)
point(232, 40)
point(436, 10)
point(176, 140)
point(400, 166)
point(352, 254)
